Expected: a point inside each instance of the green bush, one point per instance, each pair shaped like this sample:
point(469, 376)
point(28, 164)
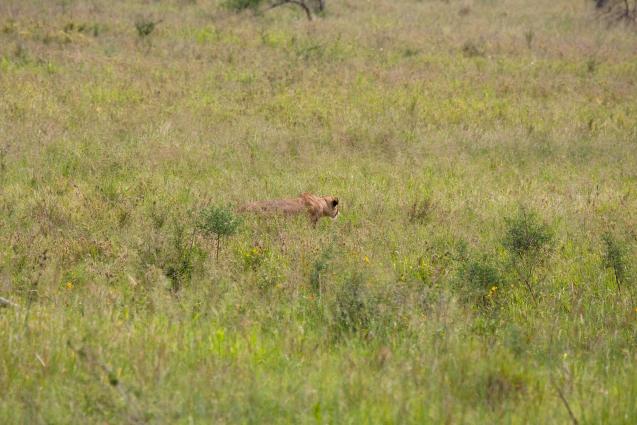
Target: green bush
point(480, 274)
point(526, 235)
point(479, 280)
point(145, 26)
point(178, 257)
point(421, 211)
point(319, 266)
point(218, 222)
point(351, 312)
point(528, 241)
point(615, 257)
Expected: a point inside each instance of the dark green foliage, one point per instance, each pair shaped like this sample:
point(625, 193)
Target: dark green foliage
point(528, 241)
point(479, 279)
point(145, 26)
point(615, 257)
point(179, 262)
point(480, 274)
point(526, 235)
point(218, 221)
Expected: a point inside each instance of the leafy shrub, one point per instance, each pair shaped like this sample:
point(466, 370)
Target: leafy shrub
point(319, 266)
point(471, 49)
point(218, 222)
point(178, 261)
point(145, 26)
point(421, 210)
point(480, 274)
point(479, 279)
point(529, 35)
point(614, 257)
point(351, 313)
point(528, 241)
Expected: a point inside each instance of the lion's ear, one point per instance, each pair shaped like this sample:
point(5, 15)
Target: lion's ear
point(334, 202)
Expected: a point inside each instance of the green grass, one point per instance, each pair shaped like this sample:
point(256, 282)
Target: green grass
point(435, 123)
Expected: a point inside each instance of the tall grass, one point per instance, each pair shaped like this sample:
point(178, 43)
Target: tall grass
point(431, 121)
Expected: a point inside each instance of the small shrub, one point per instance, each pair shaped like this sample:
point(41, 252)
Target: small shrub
point(421, 210)
point(529, 35)
point(480, 274)
point(179, 261)
point(591, 65)
point(3, 160)
point(502, 385)
point(471, 49)
point(479, 279)
point(526, 235)
point(351, 314)
point(528, 241)
point(614, 257)
point(21, 54)
point(319, 266)
point(145, 26)
point(218, 222)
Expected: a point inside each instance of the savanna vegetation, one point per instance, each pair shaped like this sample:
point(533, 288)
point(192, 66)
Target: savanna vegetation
point(482, 269)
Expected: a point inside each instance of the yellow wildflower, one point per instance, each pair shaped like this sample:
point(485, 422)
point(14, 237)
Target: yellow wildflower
point(69, 285)
point(366, 259)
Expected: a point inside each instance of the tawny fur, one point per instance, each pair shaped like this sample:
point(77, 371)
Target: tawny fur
point(314, 206)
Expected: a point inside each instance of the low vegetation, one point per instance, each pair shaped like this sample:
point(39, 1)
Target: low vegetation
point(482, 269)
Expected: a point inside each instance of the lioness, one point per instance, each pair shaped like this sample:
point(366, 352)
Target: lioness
point(315, 206)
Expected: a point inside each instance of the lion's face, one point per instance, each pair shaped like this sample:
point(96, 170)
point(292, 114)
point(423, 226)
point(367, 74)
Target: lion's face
point(332, 206)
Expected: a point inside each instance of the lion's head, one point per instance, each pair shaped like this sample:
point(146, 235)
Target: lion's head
point(332, 206)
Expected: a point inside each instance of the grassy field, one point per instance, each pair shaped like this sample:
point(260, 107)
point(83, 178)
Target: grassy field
point(482, 269)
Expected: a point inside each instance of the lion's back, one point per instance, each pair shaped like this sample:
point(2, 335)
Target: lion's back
point(285, 206)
